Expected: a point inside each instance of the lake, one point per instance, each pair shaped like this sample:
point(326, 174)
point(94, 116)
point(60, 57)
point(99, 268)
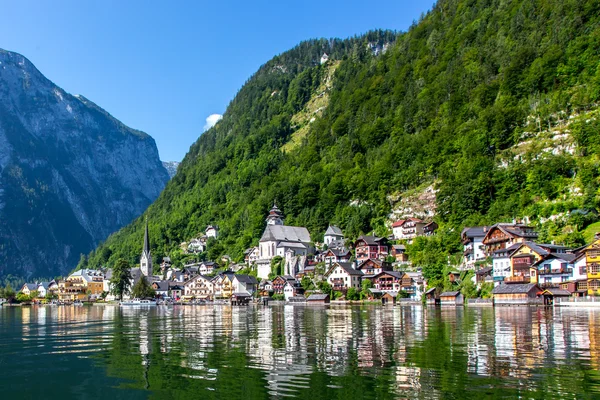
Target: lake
point(296, 351)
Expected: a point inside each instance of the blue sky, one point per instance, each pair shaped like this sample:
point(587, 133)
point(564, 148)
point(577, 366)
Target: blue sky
point(164, 66)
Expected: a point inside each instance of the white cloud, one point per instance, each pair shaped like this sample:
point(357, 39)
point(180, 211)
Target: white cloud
point(211, 120)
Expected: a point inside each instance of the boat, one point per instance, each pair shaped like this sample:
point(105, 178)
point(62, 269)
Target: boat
point(78, 303)
point(137, 302)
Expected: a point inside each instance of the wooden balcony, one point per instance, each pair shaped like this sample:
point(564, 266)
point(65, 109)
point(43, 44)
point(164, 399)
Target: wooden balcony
point(517, 279)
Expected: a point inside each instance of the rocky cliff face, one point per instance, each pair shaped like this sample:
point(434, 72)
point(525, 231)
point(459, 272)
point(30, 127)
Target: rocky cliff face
point(70, 173)
point(171, 167)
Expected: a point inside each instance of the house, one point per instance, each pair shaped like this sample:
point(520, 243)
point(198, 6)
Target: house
point(165, 264)
point(501, 263)
point(265, 288)
point(240, 299)
point(371, 247)
point(483, 275)
point(324, 58)
point(318, 298)
point(161, 288)
point(43, 288)
point(389, 297)
point(244, 283)
point(333, 234)
point(454, 276)
point(176, 290)
point(552, 293)
point(411, 228)
point(211, 232)
point(504, 235)
point(553, 269)
point(592, 256)
point(196, 246)
point(399, 253)
point(430, 296)
point(82, 284)
point(199, 287)
point(516, 293)
point(280, 281)
point(190, 270)
point(523, 258)
point(473, 248)
point(397, 229)
point(451, 299)
point(292, 243)
point(251, 255)
point(430, 228)
point(28, 288)
point(372, 267)
point(207, 268)
point(413, 283)
point(388, 281)
point(342, 276)
point(334, 255)
point(223, 284)
point(292, 289)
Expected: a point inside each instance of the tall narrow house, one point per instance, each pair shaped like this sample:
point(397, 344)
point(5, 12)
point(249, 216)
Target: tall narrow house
point(146, 258)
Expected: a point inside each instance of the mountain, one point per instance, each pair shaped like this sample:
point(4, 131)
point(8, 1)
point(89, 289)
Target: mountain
point(70, 173)
point(488, 109)
point(171, 167)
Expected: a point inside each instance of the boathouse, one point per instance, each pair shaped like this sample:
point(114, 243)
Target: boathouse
point(516, 293)
point(452, 299)
point(318, 298)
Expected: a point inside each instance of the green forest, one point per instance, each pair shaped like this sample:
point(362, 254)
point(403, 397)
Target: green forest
point(494, 102)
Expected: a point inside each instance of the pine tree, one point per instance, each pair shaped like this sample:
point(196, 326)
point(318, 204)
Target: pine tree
point(121, 278)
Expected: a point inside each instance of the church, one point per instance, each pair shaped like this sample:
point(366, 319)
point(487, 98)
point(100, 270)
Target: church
point(293, 243)
point(146, 258)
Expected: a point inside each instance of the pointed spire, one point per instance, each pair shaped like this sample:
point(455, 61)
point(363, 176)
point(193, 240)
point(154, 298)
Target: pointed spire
point(146, 239)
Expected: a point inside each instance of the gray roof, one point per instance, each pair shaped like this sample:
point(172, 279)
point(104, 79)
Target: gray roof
point(296, 245)
point(430, 290)
point(346, 267)
point(246, 279)
point(399, 247)
point(370, 240)
point(285, 234)
point(396, 274)
point(511, 288)
point(334, 231)
point(558, 292)
point(450, 294)
point(162, 286)
point(474, 231)
point(31, 286)
point(45, 285)
point(318, 296)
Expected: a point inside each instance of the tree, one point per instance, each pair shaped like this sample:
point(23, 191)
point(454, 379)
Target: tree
point(22, 297)
point(366, 285)
point(352, 294)
point(142, 289)
point(83, 262)
point(9, 292)
point(121, 278)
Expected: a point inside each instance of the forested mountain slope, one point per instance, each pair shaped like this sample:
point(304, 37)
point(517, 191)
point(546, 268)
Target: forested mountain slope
point(70, 174)
point(451, 102)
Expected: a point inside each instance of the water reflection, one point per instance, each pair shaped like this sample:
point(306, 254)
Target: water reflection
point(299, 351)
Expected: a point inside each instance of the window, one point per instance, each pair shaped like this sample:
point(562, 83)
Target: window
point(582, 270)
point(594, 285)
point(593, 253)
point(594, 269)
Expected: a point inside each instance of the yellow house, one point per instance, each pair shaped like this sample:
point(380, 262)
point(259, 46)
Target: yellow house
point(227, 286)
point(521, 261)
point(592, 260)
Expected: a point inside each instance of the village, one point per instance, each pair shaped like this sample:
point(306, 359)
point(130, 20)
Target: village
point(287, 266)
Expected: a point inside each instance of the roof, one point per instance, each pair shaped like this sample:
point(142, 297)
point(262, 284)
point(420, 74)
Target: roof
point(333, 230)
point(241, 294)
point(484, 271)
point(396, 274)
point(474, 231)
point(557, 292)
point(508, 250)
point(393, 293)
point(430, 290)
point(163, 286)
point(399, 247)
point(512, 288)
point(246, 279)
point(285, 234)
point(31, 286)
point(450, 294)
point(398, 223)
point(347, 267)
point(296, 245)
point(370, 240)
point(376, 262)
point(317, 297)
point(146, 249)
point(45, 285)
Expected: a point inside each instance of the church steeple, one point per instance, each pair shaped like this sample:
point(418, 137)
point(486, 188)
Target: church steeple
point(275, 216)
point(146, 258)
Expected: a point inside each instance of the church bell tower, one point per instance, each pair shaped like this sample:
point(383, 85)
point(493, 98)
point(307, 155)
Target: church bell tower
point(146, 258)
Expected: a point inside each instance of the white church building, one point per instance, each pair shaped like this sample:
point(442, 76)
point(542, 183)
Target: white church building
point(292, 243)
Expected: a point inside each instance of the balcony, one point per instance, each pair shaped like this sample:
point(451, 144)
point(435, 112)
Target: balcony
point(556, 271)
point(517, 279)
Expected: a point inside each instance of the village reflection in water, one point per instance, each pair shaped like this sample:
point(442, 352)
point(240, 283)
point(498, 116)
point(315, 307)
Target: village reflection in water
point(289, 350)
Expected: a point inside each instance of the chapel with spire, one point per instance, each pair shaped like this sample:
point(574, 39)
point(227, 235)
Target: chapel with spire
point(146, 258)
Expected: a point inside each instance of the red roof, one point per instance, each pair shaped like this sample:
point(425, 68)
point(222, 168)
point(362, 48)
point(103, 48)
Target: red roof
point(398, 223)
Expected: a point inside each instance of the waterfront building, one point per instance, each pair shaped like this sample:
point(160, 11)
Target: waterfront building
point(342, 276)
point(199, 287)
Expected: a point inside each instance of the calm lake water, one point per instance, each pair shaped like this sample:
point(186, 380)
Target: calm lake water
point(335, 352)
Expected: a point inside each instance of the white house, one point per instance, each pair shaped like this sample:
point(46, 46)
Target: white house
point(207, 267)
point(289, 242)
point(333, 234)
point(211, 231)
point(473, 248)
point(196, 246)
point(244, 284)
point(555, 268)
point(501, 263)
point(342, 276)
point(251, 255)
point(200, 287)
point(324, 58)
